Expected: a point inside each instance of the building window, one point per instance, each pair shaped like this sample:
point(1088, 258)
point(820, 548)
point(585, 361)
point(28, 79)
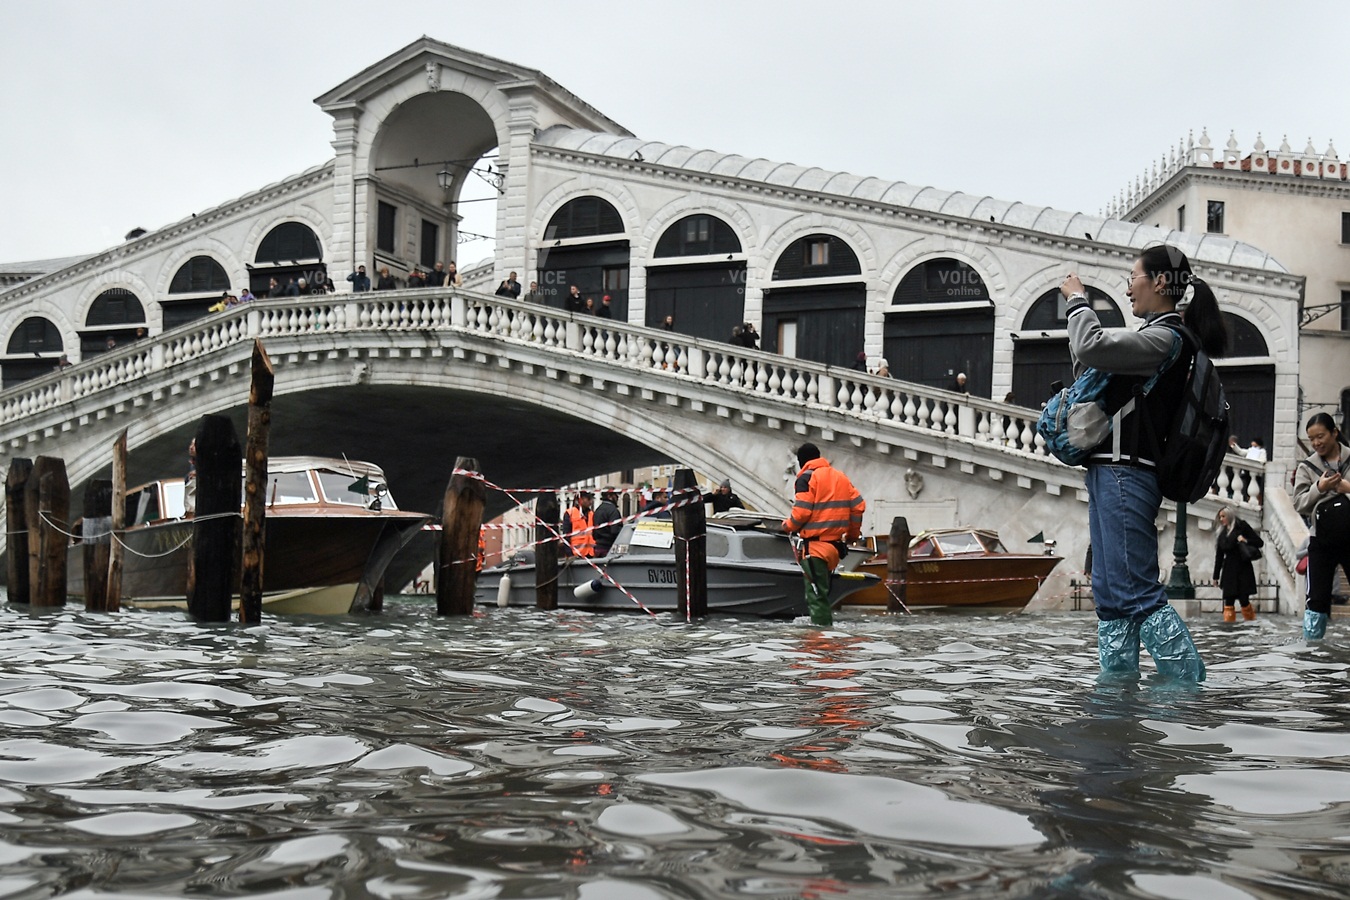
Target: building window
point(431, 237)
point(199, 275)
point(1345, 310)
point(695, 229)
point(1345, 228)
point(817, 253)
point(289, 242)
point(615, 279)
point(1214, 217)
point(384, 234)
point(1181, 218)
point(698, 235)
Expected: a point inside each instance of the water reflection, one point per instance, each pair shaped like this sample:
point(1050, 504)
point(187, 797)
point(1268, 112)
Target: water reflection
point(523, 754)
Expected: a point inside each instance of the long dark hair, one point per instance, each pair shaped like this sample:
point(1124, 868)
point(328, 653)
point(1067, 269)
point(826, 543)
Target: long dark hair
point(1327, 422)
point(1202, 315)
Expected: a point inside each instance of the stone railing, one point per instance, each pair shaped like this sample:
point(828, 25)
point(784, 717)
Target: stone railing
point(863, 397)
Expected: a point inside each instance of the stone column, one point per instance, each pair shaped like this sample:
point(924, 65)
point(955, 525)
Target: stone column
point(348, 244)
point(513, 207)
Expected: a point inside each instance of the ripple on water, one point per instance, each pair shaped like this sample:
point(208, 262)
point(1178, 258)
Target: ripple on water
point(871, 806)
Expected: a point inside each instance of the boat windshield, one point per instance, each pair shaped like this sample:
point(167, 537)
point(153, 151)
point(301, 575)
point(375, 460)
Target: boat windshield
point(921, 548)
point(339, 487)
point(291, 487)
point(959, 543)
point(762, 546)
point(993, 544)
point(173, 498)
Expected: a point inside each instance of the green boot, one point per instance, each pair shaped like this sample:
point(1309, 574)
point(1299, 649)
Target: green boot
point(817, 576)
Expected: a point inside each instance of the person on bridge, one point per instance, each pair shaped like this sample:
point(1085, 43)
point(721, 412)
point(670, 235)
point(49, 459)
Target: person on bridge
point(359, 279)
point(826, 516)
point(1122, 482)
point(606, 311)
point(577, 526)
point(509, 288)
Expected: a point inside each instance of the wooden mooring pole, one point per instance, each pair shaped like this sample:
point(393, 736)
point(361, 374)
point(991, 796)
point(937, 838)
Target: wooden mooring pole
point(215, 557)
point(117, 523)
point(546, 551)
point(690, 525)
point(16, 529)
point(47, 510)
point(897, 565)
point(461, 519)
point(96, 541)
point(255, 486)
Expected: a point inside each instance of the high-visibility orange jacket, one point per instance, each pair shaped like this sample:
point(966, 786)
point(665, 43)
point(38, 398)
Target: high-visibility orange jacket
point(826, 508)
point(577, 529)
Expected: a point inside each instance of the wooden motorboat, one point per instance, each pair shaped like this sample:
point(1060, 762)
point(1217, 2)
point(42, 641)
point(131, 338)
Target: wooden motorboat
point(751, 572)
point(331, 530)
point(958, 567)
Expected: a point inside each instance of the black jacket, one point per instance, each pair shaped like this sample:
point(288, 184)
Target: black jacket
point(1232, 569)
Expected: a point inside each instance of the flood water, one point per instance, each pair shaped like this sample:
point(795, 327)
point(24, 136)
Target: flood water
point(520, 754)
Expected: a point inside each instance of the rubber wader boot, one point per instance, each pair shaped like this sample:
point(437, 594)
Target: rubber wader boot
point(1169, 643)
point(818, 590)
point(1314, 625)
point(1118, 646)
point(1249, 613)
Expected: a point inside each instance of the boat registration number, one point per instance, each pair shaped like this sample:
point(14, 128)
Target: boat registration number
point(660, 576)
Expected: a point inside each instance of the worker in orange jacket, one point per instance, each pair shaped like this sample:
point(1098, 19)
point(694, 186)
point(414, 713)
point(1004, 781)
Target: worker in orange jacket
point(827, 513)
point(577, 522)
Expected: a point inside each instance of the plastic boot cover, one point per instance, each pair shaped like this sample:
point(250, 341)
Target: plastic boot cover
point(1314, 625)
point(1118, 646)
point(1169, 643)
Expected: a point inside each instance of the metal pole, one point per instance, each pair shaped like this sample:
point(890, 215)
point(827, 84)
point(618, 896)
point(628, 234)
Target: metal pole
point(1180, 586)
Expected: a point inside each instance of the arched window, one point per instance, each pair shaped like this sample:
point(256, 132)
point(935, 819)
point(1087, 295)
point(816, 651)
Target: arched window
point(584, 217)
point(816, 256)
point(199, 275)
point(1244, 338)
point(289, 242)
point(940, 281)
point(698, 235)
point(1048, 312)
point(35, 335)
point(115, 306)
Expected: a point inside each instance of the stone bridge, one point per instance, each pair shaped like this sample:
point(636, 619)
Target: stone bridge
point(412, 379)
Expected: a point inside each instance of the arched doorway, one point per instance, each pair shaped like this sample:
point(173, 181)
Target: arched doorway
point(196, 287)
point(289, 252)
point(1041, 352)
point(696, 278)
point(34, 349)
point(116, 313)
point(584, 245)
point(434, 195)
point(1248, 376)
point(821, 320)
point(941, 323)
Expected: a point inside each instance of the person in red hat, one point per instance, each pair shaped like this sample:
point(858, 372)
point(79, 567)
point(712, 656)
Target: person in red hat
point(605, 312)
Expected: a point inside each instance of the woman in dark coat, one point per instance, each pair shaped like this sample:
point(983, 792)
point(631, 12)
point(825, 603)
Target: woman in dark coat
point(1233, 567)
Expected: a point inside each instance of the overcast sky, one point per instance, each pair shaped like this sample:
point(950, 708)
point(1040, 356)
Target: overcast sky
point(127, 114)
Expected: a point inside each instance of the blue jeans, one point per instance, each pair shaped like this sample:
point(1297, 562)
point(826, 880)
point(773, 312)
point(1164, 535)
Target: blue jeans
point(1123, 503)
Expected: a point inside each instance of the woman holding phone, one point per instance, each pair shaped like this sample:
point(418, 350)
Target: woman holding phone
point(1322, 493)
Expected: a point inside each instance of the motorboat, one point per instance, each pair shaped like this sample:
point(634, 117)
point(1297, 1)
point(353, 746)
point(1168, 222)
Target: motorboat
point(957, 567)
point(332, 528)
point(750, 570)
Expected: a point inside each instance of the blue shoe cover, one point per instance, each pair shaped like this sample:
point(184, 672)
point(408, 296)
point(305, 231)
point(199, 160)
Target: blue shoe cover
point(1118, 646)
point(1169, 643)
point(1314, 625)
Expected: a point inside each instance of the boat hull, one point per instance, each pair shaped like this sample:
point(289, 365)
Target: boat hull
point(1002, 581)
point(313, 563)
point(769, 591)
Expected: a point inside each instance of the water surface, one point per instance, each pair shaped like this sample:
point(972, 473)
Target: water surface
point(519, 754)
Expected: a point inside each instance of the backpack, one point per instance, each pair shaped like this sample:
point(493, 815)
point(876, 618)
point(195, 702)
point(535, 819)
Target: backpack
point(1076, 418)
point(1194, 448)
